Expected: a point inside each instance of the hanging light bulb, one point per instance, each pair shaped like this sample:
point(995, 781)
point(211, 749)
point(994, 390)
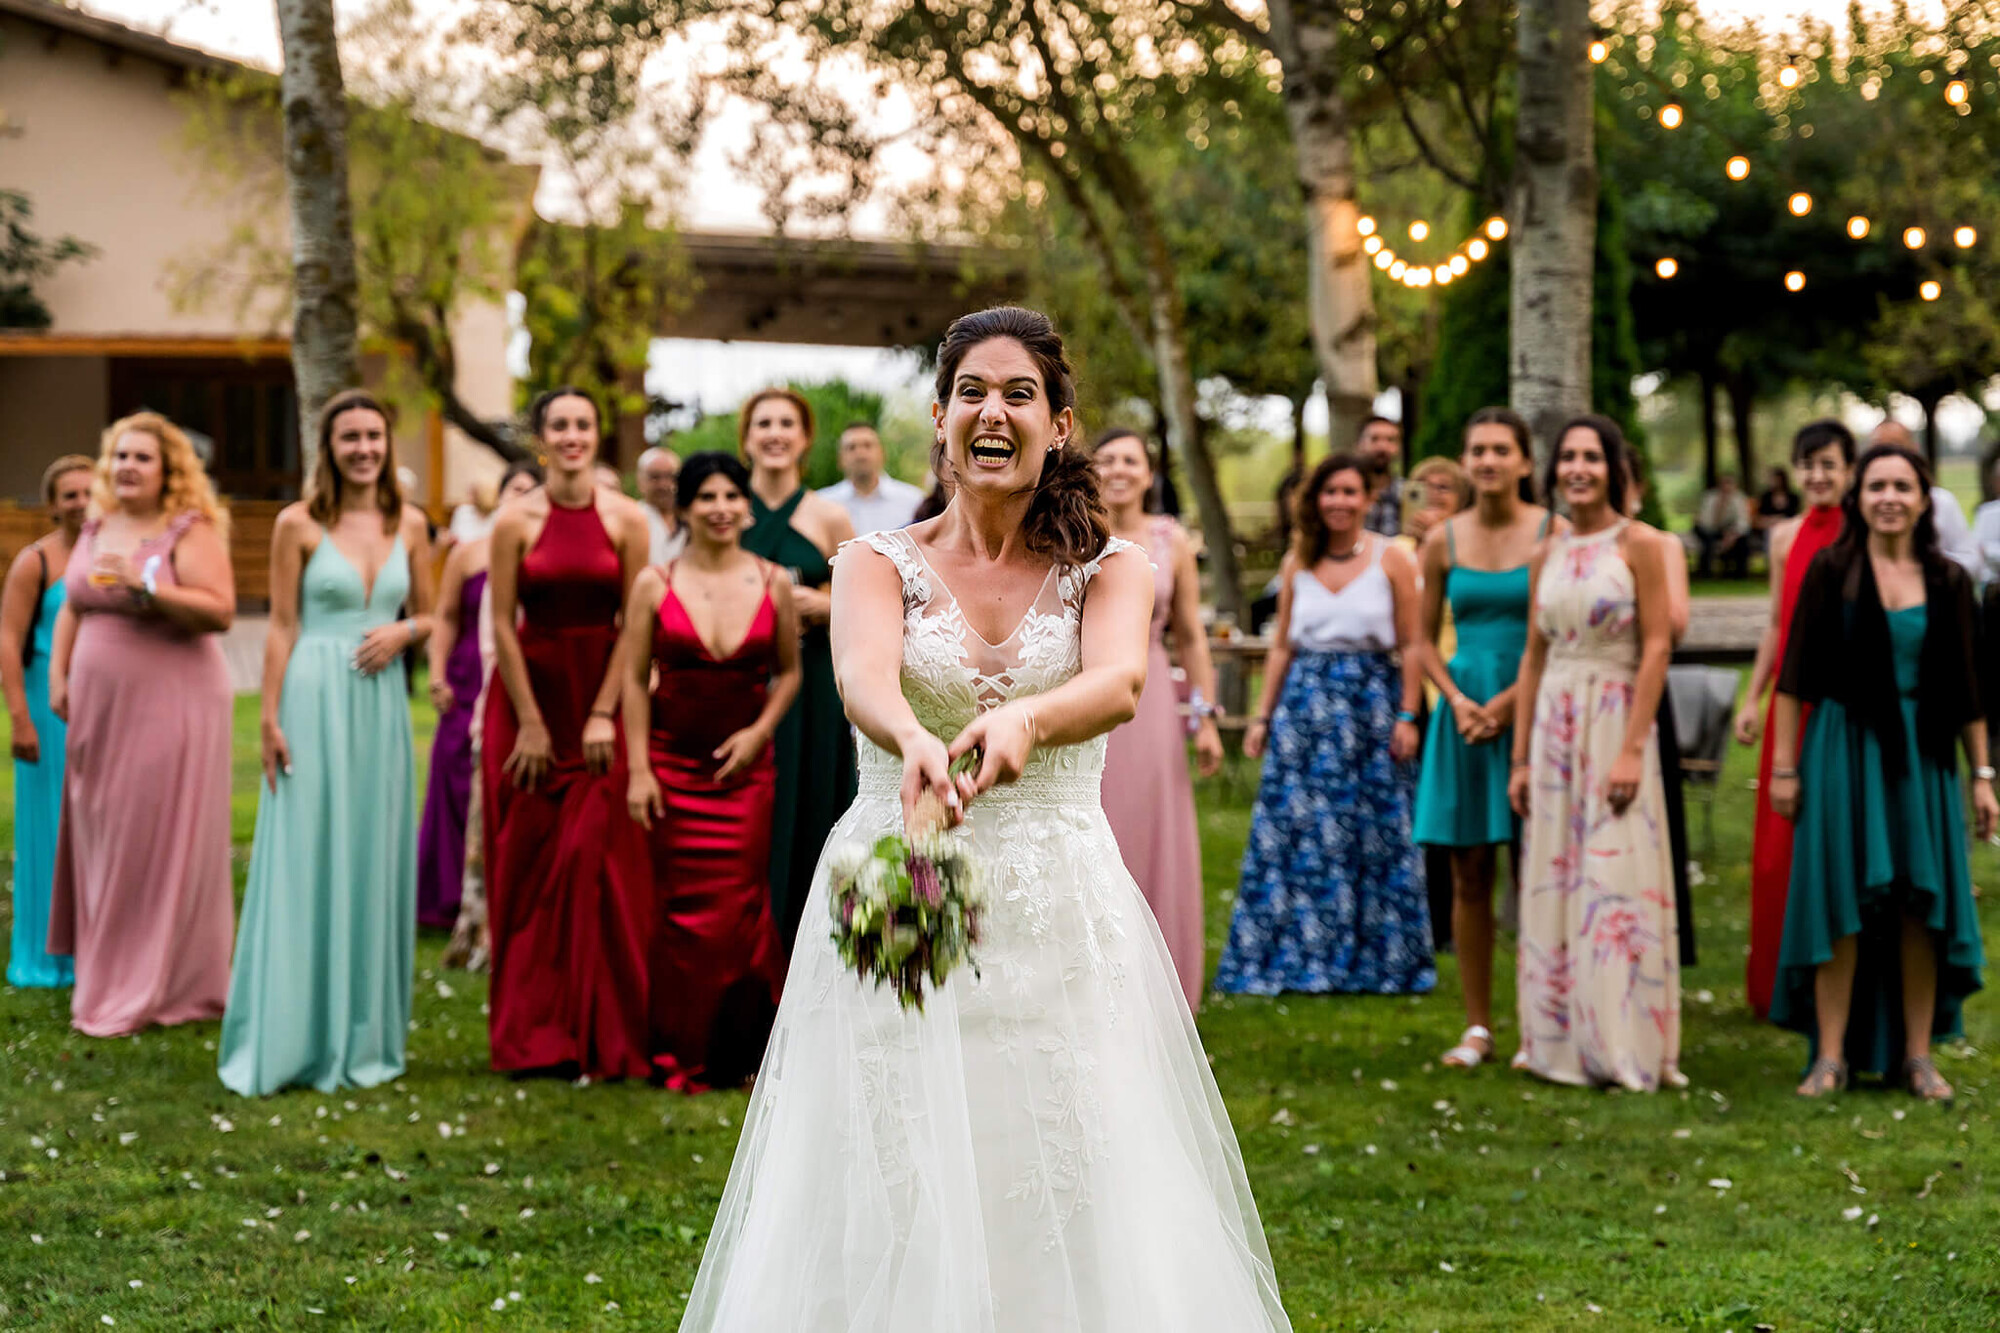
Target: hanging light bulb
point(1956, 93)
point(1795, 281)
point(1857, 227)
point(1800, 204)
point(1671, 116)
point(1383, 259)
point(1444, 274)
point(1496, 227)
point(1930, 290)
point(1419, 229)
point(1965, 238)
point(1372, 244)
point(1788, 77)
point(1477, 249)
point(1914, 238)
point(1667, 267)
point(1366, 226)
point(1459, 265)
point(1398, 269)
point(1737, 168)
point(1598, 52)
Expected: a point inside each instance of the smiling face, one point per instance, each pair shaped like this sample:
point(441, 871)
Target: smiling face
point(1124, 471)
point(1892, 497)
point(359, 441)
point(1342, 500)
point(1583, 476)
point(775, 436)
point(1494, 459)
point(997, 427)
point(138, 470)
point(719, 512)
point(72, 497)
point(569, 434)
point(1824, 475)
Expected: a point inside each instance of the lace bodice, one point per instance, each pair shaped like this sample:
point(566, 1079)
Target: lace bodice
point(951, 674)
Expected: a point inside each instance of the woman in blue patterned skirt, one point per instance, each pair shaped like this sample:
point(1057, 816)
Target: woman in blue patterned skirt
point(1331, 899)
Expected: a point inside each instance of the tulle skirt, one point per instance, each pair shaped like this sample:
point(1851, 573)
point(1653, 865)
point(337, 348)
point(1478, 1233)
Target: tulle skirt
point(1041, 1150)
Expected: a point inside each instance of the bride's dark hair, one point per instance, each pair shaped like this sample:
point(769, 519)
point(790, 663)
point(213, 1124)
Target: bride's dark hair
point(1066, 519)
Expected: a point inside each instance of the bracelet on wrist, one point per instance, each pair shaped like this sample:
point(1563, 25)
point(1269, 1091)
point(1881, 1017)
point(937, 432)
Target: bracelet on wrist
point(1983, 773)
point(608, 714)
point(1406, 715)
point(1520, 764)
point(1781, 773)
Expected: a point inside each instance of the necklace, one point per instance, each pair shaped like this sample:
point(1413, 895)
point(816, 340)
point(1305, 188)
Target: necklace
point(1342, 557)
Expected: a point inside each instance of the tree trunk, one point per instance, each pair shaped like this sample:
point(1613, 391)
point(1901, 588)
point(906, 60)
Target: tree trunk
point(1299, 434)
point(1709, 430)
point(1553, 217)
point(1306, 36)
point(1929, 402)
point(325, 294)
point(1742, 406)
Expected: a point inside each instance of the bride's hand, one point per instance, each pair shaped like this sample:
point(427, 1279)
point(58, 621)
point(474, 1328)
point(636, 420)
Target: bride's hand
point(1004, 738)
point(927, 768)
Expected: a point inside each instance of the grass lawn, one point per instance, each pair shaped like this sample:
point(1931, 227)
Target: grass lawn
point(1397, 1195)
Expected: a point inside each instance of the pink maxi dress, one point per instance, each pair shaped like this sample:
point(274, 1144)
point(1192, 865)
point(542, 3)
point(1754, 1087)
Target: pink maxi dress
point(142, 888)
point(1148, 794)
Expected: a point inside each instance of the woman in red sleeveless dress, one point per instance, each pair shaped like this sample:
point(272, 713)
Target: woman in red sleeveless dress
point(568, 888)
point(1823, 452)
point(721, 638)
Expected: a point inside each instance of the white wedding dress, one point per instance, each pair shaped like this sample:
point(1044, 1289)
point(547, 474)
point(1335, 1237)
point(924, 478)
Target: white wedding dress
point(1042, 1149)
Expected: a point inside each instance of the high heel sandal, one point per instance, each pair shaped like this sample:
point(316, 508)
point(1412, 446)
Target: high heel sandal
point(1467, 1056)
point(1924, 1080)
point(1827, 1075)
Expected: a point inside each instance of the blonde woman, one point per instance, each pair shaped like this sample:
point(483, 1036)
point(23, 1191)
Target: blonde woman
point(141, 895)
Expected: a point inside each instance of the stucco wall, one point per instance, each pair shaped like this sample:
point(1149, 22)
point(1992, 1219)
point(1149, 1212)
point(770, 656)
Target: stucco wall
point(49, 406)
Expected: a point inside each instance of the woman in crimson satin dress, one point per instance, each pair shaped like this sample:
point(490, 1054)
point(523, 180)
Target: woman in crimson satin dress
point(722, 635)
point(1823, 453)
point(569, 891)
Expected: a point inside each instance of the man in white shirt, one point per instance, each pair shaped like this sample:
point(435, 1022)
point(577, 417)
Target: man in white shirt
point(1947, 515)
point(873, 499)
point(1722, 527)
point(659, 474)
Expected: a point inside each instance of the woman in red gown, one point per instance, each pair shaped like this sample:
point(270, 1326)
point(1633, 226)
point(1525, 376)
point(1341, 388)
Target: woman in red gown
point(720, 636)
point(1823, 452)
point(568, 888)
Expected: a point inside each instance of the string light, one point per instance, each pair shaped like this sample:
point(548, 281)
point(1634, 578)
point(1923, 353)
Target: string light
point(1666, 268)
point(1372, 244)
point(1800, 204)
point(1459, 266)
point(1965, 238)
point(1788, 77)
point(1477, 249)
point(1956, 93)
point(1366, 226)
point(1930, 291)
point(1496, 227)
point(1670, 116)
point(1795, 281)
point(1598, 52)
point(1383, 259)
point(1398, 269)
point(1444, 274)
point(1857, 227)
point(1913, 238)
point(1419, 229)
point(1737, 168)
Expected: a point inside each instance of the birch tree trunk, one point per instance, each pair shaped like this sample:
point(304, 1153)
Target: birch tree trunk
point(1306, 35)
point(1554, 218)
point(325, 296)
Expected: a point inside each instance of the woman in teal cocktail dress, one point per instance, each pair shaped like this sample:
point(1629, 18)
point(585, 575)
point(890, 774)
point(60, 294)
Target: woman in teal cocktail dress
point(1881, 939)
point(320, 990)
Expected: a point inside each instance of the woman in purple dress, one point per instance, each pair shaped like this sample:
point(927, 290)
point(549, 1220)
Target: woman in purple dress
point(457, 675)
point(1148, 796)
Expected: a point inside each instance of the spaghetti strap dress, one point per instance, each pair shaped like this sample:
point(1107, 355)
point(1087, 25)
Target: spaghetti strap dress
point(568, 887)
point(448, 800)
point(320, 993)
point(814, 745)
point(142, 894)
point(716, 963)
point(37, 815)
point(1148, 793)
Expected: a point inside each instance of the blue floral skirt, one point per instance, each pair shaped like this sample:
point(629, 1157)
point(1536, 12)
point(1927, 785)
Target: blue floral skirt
point(1332, 895)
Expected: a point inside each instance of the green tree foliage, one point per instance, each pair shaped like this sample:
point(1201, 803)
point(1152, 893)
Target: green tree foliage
point(836, 404)
point(26, 257)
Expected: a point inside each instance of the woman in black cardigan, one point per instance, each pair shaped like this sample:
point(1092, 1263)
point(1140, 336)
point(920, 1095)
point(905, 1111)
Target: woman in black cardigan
point(1881, 942)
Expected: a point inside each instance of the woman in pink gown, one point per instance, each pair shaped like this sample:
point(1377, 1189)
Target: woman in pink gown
point(1148, 796)
point(142, 888)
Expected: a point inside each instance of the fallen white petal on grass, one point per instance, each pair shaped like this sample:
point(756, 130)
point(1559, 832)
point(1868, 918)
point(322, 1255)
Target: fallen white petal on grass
point(592, 1279)
point(493, 1168)
point(1445, 1267)
point(499, 1303)
point(1721, 1183)
point(1851, 1214)
point(135, 1284)
point(127, 1139)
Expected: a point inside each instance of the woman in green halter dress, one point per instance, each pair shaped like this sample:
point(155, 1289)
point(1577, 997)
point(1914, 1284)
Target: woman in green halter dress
point(799, 532)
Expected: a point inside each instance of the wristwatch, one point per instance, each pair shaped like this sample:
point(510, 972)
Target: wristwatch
point(1984, 773)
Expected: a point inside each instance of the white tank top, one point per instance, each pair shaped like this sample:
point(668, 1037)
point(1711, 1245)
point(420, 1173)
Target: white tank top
point(1360, 618)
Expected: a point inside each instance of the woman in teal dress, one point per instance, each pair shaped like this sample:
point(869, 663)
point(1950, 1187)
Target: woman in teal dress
point(799, 532)
point(320, 990)
point(1881, 939)
point(28, 608)
point(1477, 565)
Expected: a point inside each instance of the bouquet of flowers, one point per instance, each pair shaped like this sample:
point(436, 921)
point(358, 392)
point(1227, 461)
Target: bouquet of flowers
point(907, 910)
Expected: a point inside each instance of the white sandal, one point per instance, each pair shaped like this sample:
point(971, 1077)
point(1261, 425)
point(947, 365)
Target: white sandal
point(1465, 1055)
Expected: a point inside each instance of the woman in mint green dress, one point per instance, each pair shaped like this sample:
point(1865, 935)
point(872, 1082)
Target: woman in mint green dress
point(1476, 565)
point(320, 990)
point(28, 609)
point(1881, 939)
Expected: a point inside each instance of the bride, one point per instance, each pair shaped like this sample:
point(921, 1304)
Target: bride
point(1042, 1149)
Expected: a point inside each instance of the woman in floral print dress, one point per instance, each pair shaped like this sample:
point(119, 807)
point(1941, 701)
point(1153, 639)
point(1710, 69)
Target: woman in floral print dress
point(1598, 975)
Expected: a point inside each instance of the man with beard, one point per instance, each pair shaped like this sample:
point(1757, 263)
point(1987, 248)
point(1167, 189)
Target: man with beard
point(1380, 448)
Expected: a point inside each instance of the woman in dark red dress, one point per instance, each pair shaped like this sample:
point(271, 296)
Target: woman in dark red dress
point(720, 636)
point(568, 887)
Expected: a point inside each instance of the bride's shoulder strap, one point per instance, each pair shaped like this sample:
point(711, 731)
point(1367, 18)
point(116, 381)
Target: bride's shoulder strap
point(901, 549)
point(1112, 546)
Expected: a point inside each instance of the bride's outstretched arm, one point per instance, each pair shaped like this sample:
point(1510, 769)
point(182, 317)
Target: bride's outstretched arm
point(1117, 620)
point(867, 640)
